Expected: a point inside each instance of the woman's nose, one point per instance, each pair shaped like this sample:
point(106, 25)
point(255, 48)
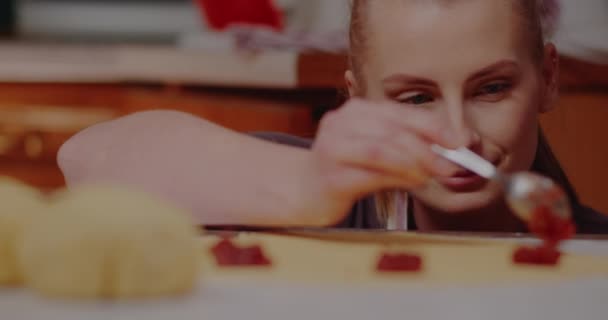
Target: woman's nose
point(469, 138)
point(462, 129)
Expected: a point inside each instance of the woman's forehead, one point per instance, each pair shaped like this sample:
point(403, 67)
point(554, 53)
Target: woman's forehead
point(456, 35)
point(425, 9)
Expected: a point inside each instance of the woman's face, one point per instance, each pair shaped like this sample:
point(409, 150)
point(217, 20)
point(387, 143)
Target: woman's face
point(468, 64)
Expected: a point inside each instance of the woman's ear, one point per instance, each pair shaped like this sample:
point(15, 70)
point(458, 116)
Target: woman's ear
point(351, 84)
point(550, 73)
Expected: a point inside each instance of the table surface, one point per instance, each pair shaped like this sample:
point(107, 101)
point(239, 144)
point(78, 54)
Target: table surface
point(298, 285)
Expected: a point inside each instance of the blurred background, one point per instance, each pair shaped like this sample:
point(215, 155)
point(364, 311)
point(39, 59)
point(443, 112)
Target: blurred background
point(68, 64)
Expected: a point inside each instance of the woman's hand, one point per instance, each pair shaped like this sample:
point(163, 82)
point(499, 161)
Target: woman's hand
point(365, 147)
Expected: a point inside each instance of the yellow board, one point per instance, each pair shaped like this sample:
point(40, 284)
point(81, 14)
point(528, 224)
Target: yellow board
point(446, 261)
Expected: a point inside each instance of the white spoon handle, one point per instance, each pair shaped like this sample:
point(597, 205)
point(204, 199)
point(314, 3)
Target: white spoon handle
point(468, 160)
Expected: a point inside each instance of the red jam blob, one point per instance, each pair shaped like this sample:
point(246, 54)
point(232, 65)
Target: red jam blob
point(228, 254)
point(542, 255)
point(399, 262)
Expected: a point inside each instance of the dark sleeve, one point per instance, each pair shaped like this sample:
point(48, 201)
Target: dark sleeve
point(589, 221)
point(285, 139)
point(362, 215)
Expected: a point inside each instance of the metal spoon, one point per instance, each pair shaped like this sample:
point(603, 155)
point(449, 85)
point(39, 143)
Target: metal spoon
point(524, 191)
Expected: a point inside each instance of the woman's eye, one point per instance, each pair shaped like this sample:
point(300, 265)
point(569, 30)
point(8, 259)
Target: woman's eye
point(417, 99)
point(493, 89)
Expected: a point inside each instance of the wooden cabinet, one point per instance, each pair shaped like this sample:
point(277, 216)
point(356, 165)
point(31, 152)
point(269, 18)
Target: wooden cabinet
point(35, 119)
point(578, 133)
point(578, 129)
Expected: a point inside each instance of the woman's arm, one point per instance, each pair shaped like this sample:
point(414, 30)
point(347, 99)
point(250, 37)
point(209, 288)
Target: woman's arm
point(222, 176)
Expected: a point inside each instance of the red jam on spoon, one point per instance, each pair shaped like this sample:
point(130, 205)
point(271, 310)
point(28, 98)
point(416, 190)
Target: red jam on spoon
point(552, 229)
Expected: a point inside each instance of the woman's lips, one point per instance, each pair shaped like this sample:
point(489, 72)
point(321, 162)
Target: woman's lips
point(464, 181)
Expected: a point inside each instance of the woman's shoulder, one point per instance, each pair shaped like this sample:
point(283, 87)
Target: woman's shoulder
point(590, 221)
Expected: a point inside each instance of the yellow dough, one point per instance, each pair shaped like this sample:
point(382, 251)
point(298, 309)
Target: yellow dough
point(18, 204)
point(110, 242)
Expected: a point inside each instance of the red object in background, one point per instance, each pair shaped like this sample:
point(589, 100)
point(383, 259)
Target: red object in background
point(228, 254)
point(221, 14)
point(549, 227)
point(542, 255)
point(401, 262)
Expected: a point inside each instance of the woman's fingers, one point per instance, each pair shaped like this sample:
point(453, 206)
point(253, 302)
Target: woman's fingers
point(358, 138)
point(366, 147)
point(386, 157)
point(413, 120)
point(366, 181)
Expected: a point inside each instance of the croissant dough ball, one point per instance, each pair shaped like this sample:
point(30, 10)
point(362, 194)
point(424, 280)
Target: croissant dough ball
point(110, 242)
point(19, 203)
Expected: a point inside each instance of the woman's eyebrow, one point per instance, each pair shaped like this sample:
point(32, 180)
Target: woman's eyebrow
point(497, 66)
point(402, 78)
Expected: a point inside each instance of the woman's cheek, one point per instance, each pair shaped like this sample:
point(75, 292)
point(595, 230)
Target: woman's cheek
point(510, 117)
point(513, 128)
